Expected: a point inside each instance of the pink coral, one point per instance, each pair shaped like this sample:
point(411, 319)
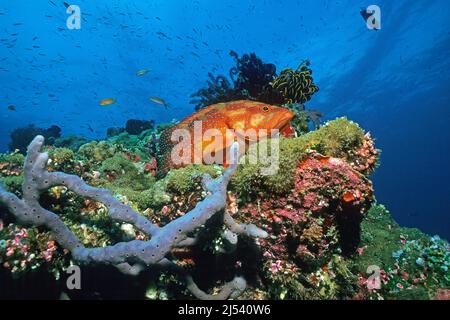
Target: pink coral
point(51, 248)
point(322, 180)
point(443, 294)
point(276, 267)
point(151, 167)
point(309, 223)
point(366, 157)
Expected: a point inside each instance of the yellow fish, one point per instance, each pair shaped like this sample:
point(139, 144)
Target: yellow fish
point(142, 72)
point(107, 102)
point(159, 101)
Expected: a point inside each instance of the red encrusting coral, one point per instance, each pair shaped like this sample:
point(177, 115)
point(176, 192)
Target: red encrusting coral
point(132, 156)
point(318, 217)
point(151, 167)
point(322, 180)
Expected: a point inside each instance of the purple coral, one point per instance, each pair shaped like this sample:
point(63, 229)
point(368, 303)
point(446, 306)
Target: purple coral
point(133, 256)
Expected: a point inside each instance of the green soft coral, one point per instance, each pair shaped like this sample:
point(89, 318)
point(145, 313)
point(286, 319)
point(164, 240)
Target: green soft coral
point(62, 159)
point(405, 254)
point(62, 155)
point(154, 197)
point(12, 183)
point(187, 179)
point(146, 192)
point(381, 236)
point(140, 188)
point(336, 138)
point(138, 144)
point(14, 158)
point(96, 152)
point(119, 165)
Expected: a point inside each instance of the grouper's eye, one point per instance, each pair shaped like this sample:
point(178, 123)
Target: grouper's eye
point(266, 109)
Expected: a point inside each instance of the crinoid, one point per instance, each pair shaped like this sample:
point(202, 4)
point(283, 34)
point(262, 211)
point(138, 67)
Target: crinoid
point(295, 86)
point(219, 90)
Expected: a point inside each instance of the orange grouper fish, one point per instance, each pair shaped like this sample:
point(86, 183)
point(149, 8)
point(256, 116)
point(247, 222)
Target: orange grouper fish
point(210, 132)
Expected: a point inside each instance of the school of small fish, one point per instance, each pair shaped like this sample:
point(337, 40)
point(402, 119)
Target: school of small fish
point(50, 59)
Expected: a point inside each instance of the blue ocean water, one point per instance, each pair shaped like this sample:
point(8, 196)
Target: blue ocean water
point(394, 82)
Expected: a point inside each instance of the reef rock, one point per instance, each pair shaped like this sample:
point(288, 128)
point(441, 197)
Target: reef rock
point(135, 127)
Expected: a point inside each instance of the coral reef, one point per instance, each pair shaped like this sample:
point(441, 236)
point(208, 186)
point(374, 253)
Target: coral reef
point(114, 131)
point(319, 218)
point(18, 246)
point(339, 138)
point(134, 126)
point(134, 256)
point(411, 264)
point(323, 237)
point(71, 142)
point(10, 164)
point(21, 137)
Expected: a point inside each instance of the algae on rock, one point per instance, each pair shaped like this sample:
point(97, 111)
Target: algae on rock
point(335, 139)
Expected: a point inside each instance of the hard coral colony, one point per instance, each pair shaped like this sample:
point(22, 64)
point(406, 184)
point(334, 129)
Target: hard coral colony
point(309, 231)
